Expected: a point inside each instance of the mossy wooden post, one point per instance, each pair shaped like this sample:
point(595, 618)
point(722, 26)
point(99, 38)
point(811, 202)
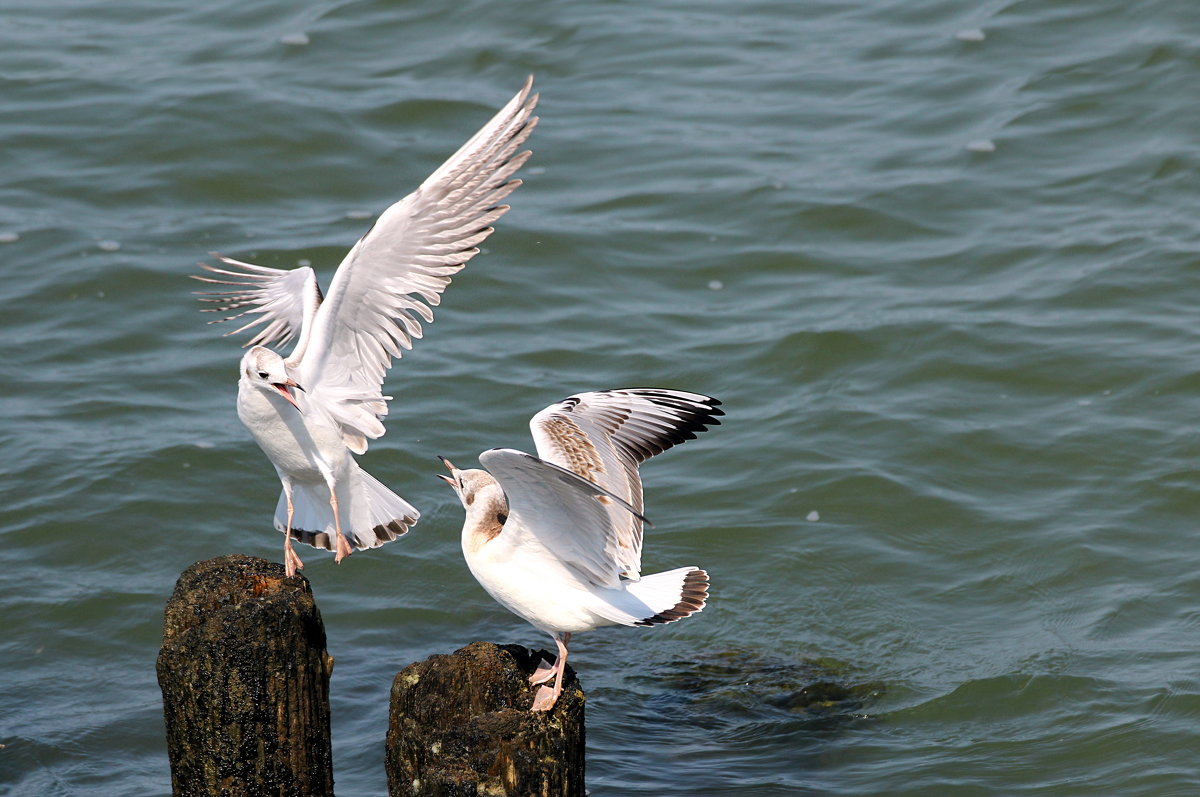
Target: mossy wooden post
point(460, 726)
point(245, 683)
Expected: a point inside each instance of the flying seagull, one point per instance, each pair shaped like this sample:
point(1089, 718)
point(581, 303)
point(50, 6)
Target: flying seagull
point(310, 411)
point(557, 538)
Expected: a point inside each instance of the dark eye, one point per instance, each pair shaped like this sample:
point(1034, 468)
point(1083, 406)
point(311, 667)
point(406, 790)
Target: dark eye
point(502, 517)
point(262, 374)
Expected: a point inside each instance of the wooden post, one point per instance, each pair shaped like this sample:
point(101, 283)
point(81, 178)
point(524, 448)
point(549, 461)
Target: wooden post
point(460, 726)
point(245, 681)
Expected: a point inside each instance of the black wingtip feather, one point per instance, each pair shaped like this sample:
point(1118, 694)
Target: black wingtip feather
point(691, 416)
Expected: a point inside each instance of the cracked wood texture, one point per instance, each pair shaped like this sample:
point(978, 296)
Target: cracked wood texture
point(245, 682)
point(460, 726)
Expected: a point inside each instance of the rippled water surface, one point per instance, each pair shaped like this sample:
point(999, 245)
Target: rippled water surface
point(939, 260)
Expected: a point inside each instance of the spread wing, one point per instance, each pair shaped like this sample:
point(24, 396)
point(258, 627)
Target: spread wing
point(284, 301)
point(393, 277)
point(564, 513)
point(604, 435)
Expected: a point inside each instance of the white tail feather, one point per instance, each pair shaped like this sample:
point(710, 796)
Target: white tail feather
point(371, 514)
point(658, 598)
point(388, 515)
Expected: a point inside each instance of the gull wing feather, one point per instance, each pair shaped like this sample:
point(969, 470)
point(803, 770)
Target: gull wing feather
point(604, 435)
point(391, 280)
point(284, 301)
point(562, 512)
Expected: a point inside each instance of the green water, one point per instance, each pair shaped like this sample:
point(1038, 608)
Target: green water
point(947, 289)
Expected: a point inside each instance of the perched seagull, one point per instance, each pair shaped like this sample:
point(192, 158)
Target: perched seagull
point(557, 538)
point(311, 411)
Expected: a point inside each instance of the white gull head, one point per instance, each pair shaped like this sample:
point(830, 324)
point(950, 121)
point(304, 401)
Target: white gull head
point(265, 370)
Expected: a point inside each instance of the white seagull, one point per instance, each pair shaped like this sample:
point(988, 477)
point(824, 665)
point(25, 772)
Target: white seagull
point(557, 538)
point(311, 411)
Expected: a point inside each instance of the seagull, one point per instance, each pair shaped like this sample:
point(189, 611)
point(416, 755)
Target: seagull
point(557, 538)
point(311, 411)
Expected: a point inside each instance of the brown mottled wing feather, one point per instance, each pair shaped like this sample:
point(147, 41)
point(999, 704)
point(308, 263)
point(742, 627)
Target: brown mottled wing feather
point(604, 435)
point(553, 508)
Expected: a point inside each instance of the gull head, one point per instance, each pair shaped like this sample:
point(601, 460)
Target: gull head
point(471, 485)
point(266, 370)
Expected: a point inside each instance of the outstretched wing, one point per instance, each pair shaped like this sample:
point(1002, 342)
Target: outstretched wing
point(284, 301)
point(604, 435)
point(393, 277)
point(551, 507)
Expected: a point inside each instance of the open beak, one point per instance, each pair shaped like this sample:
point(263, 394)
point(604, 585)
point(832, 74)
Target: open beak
point(449, 466)
point(282, 387)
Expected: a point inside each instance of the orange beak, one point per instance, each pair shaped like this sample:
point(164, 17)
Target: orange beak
point(287, 394)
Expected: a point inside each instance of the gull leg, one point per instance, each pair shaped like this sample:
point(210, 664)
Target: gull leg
point(291, 560)
point(543, 673)
point(546, 697)
point(343, 547)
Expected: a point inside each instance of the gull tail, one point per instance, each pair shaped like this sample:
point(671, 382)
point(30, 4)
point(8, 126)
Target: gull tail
point(670, 596)
point(388, 516)
point(371, 514)
point(312, 522)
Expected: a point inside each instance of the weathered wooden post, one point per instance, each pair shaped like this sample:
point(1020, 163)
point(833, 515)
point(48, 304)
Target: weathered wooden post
point(460, 726)
point(245, 682)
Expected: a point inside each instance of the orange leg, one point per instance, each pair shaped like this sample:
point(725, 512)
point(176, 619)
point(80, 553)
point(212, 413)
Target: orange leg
point(543, 673)
point(343, 547)
point(291, 560)
point(546, 697)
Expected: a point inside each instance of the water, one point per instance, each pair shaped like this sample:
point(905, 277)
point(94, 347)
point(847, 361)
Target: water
point(975, 364)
